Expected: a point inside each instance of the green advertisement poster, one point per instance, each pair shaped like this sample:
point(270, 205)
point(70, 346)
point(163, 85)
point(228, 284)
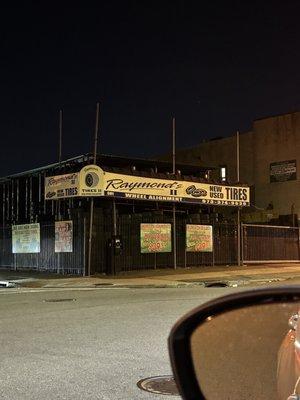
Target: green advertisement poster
point(26, 238)
point(156, 238)
point(199, 238)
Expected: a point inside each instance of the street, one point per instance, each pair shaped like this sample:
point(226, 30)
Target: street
point(95, 344)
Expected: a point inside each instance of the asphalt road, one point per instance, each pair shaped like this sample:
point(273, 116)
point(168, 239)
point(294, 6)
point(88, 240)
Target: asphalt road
point(97, 346)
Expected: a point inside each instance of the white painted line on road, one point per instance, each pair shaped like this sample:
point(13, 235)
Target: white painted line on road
point(47, 290)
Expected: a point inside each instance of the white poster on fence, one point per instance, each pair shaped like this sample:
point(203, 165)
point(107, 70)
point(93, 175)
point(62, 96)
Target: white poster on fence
point(25, 238)
point(63, 237)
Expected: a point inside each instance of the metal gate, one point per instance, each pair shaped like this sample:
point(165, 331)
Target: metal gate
point(270, 244)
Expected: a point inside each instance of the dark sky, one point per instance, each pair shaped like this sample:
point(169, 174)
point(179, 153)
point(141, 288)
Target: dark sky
point(215, 66)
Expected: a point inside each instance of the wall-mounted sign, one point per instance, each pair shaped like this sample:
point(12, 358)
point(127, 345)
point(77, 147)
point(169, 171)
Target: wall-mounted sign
point(26, 238)
point(156, 238)
point(61, 186)
point(199, 238)
point(93, 181)
point(63, 237)
point(283, 171)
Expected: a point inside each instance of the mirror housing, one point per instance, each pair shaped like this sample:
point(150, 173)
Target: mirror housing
point(180, 337)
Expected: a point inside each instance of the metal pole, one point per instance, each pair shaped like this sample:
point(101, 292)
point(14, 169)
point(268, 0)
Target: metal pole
point(3, 204)
point(58, 212)
point(12, 201)
point(238, 211)
point(174, 206)
point(90, 236)
point(3, 217)
point(58, 263)
point(238, 156)
point(60, 136)
point(242, 243)
point(238, 238)
point(114, 218)
point(30, 199)
point(114, 223)
point(92, 199)
point(18, 195)
point(173, 146)
point(26, 199)
point(298, 243)
point(8, 201)
point(96, 134)
point(59, 158)
point(45, 204)
point(40, 188)
point(84, 246)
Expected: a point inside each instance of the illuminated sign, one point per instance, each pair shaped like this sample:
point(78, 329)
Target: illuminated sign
point(93, 181)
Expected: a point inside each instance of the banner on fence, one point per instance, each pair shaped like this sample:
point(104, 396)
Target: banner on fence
point(61, 186)
point(156, 238)
point(63, 237)
point(199, 238)
point(94, 181)
point(26, 238)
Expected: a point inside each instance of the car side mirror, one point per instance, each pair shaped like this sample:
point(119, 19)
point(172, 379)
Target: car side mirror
point(242, 346)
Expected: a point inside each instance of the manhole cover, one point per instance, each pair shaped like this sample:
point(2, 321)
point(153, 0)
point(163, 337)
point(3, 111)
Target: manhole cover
point(104, 284)
point(57, 300)
point(216, 284)
point(159, 385)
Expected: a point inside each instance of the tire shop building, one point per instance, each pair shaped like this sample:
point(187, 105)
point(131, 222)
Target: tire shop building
point(118, 215)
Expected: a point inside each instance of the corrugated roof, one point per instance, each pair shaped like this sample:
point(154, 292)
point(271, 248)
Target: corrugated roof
point(107, 160)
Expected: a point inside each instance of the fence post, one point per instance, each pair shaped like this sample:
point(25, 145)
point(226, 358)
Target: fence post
point(238, 238)
point(298, 244)
point(242, 244)
point(58, 263)
point(84, 246)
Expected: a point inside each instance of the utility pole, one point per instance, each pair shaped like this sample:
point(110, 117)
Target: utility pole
point(92, 198)
point(59, 156)
point(174, 205)
point(238, 210)
point(60, 136)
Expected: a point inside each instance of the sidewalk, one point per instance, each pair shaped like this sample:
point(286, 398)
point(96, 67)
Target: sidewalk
point(204, 276)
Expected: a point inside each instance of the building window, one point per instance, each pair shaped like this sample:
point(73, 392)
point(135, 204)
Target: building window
point(223, 173)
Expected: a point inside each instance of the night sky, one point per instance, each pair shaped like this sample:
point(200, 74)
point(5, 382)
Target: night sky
point(214, 66)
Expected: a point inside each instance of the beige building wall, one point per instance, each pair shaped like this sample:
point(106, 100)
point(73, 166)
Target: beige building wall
point(277, 139)
point(222, 152)
point(272, 139)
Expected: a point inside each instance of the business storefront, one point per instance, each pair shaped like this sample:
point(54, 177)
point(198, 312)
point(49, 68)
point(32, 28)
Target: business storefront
point(140, 220)
point(93, 181)
point(121, 234)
